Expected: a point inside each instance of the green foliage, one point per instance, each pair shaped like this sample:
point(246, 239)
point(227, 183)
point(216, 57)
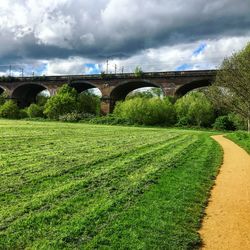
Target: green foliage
point(152, 92)
point(231, 88)
point(76, 117)
point(35, 110)
point(23, 113)
point(195, 109)
point(138, 72)
point(9, 110)
point(41, 100)
point(143, 187)
point(3, 98)
point(89, 103)
point(239, 122)
point(242, 138)
point(153, 111)
point(65, 101)
point(224, 123)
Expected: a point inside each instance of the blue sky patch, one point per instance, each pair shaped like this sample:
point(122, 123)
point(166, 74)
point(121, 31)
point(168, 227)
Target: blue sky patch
point(92, 68)
point(184, 66)
point(200, 49)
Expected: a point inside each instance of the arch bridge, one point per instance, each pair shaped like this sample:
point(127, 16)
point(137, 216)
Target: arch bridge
point(113, 87)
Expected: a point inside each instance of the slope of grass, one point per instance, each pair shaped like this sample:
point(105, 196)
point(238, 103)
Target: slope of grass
point(78, 186)
point(241, 138)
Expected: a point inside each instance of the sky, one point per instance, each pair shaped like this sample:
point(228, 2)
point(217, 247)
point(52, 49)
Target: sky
point(60, 37)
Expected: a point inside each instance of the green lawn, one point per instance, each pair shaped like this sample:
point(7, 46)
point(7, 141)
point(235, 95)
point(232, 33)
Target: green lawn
point(79, 186)
point(241, 138)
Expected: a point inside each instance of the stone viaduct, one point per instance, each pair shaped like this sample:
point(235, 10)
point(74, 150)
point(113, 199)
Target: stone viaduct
point(113, 87)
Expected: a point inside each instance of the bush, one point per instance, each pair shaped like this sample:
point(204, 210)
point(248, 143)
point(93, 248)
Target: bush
point(70, 117)
point(224, 123)
point(35, 110)
point(23, 113)
point(89, 103)
point(239, 122)
point(64, 102)
point(195, 109)
point(9, 110)
point(154, 111)
point(3, 98)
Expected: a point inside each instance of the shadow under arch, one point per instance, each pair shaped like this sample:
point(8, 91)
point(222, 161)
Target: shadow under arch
point(81, 86)
point(184, 89)
point(26, 94)
point(120, 92)
point(2, 90)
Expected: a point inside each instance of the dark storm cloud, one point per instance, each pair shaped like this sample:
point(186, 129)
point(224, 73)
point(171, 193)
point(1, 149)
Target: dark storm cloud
point(113, 28)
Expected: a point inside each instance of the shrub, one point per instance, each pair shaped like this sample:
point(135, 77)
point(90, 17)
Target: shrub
point(9, 110)
point(88, 103)
point(195, 109)
point(35, 110)
point(70, 117)
point(154, 111)
point(239, 122)
point(76, 117)
point(64, 102)
point(109, 120)
point(224, 123)
point(3, 98)
point(23, 113)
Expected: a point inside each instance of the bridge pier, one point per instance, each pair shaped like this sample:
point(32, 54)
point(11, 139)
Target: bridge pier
point(105, 105)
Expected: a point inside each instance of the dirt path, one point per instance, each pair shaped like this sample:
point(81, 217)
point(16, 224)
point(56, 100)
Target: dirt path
point(227, 221)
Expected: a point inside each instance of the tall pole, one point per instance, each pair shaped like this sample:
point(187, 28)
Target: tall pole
point(115, 69)
point(10, 70)
point(107, 66)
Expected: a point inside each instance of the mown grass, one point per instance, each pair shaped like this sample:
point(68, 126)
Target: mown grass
point(241, 138)
point(79, 186)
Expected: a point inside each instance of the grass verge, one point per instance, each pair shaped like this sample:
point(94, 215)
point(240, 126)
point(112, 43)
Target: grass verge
point(241, 138)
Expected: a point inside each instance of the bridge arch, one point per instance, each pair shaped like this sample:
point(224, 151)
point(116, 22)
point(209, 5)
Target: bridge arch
point(124, 88)
point(26, 93)
point(184, 89)
point(81, 86)
point(120, 92)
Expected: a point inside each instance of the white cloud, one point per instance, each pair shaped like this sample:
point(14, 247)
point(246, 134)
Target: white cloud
point(55, 30)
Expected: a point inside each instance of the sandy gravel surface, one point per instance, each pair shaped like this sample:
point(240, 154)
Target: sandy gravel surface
point(227, 221)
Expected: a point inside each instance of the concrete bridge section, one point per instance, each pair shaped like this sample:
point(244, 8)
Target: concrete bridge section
point(113, 87)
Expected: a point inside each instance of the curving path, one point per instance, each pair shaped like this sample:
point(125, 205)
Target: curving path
point(227, 221)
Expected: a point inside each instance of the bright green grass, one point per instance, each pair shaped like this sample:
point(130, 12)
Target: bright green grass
point(241, 138)
point(78, 186)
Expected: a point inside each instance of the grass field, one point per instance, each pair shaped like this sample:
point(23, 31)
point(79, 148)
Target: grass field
point(78, 186)
point(241, 138)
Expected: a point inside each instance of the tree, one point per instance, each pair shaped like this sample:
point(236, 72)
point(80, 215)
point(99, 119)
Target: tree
point(65, 101)
point(147, 111)
point(9, 110)
point(35, 110)
point(138, 72)
point(194, 109)
point(231, 88)
point(88, 103)
point(3, 98)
